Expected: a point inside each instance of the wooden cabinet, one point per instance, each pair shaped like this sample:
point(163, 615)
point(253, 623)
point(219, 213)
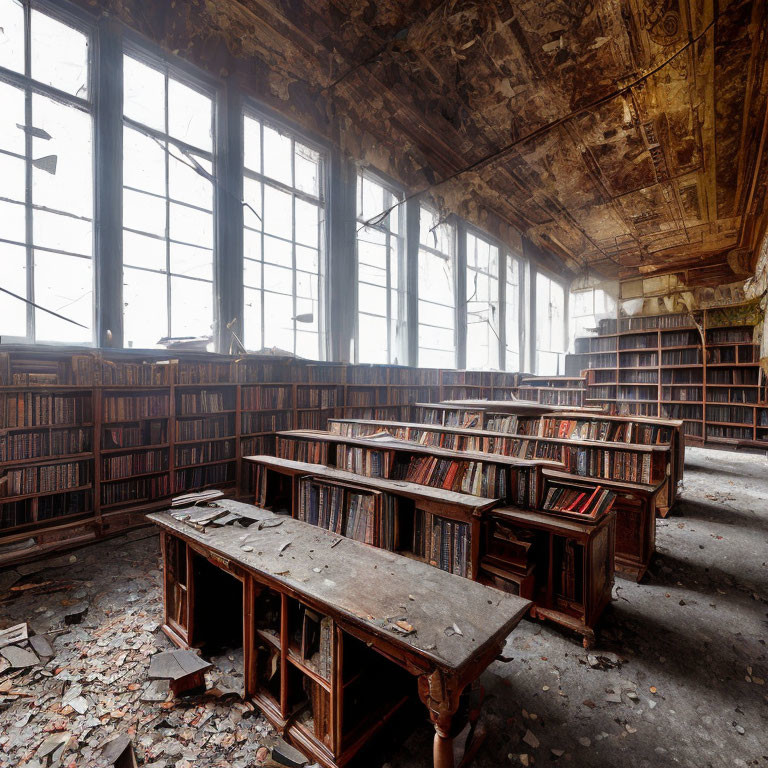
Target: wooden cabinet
point(565, 566)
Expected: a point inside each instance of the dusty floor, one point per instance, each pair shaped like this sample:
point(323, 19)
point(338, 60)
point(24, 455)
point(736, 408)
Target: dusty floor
point(679, 676)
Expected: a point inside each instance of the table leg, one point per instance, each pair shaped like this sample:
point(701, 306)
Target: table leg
point(441, 697)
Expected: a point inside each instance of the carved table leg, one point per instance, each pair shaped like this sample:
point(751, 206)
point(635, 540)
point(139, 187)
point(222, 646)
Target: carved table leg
point(441, 696)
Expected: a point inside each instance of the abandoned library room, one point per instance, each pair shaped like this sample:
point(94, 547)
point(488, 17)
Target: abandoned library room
point(383, 383)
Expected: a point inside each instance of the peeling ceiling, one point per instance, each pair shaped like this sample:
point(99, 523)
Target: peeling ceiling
point(624, 136)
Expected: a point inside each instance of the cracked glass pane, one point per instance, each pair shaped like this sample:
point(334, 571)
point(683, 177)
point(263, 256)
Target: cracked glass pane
point(63, 284)
point(190, 115)
point(12, 35)
point(277, 156)
point(13, 311)
point(143, 162)
point(142, 289)
point(59, 55)
point(143, 94)
point(70, 189)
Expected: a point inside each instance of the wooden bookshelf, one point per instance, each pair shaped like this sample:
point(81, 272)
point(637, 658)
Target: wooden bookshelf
point(553, 390)
point(400, 516)
point(702, 369)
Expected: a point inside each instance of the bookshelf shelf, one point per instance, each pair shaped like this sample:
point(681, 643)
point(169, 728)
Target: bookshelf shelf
point(37, 494)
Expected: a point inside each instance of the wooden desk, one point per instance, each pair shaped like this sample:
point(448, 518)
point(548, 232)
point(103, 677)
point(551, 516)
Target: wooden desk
point(362, 591)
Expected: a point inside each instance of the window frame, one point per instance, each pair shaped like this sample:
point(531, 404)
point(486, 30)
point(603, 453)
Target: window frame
point(518, 259)
point(394, 356)
point(151, 55)
point(534, 290)
point(256, 111)
point(73, 17)
point(454, 258)
point(470, 229)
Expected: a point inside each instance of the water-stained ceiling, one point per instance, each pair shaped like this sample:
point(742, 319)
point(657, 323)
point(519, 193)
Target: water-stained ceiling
point(623, 135)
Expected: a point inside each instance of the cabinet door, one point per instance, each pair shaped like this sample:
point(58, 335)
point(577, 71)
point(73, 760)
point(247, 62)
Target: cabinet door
point(176, 581)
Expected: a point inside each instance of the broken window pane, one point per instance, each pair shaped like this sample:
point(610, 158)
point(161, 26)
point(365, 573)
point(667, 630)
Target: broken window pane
point(512, 315)
point(191, 307)
point(278, 252)
point(145, 213)
point(279, 326)
point(63, 284)
point(277, 156)
point(278, 279)
point(278, 218)
point(307, 170)
point(64, 233)
point(142, 329)
point(59, 55)
point(12, 118)
point(143, 162)
point(307, 223)
point(13, 312)
point(12, 222)
point(186, 183)
point(143, 94)
point(482, 308)
point(189, 225)
point(179, 213)
point(12, 180)
point(252, 144)
point(69, 188)
point(191, 262)
point(12, 35)
point(252, 316)
point(190, 115)
point(252, 273)
point(143, 251)
point(292, 238)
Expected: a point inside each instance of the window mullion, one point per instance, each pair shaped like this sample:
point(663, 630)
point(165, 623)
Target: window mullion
point(28, 224)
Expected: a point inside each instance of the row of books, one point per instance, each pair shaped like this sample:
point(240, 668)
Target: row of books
point(560, 397)
point(371, 375)
point(27, 511)
point(628, 408)
point(311, 451)
point(18, 446)
point(205, 401)
point(313, 419)
point(679, 411)
point(365, 398)
point(684, 376)
point(638, 359)
point(32, 409)
point(317, 398)
point(719, 355)
point(141, 489)
point(734, 376)
point(139, 463)
point(602, 392)
point(729, 433)
point(730, 336)
point(681, 339)
point(266, 398)
point(196, 478)
point(219, 450)
point(133, 407)
point(682, 393)
point(364, 461)
point(420, 377)
point(638, 377)
point(603, 377)
point(442, 543)
point(269, 421)
point(638, 341)
point(636, 392)
point(502, 422)
point(475, 478)
point(604, 430)
point(587, 502)
point(210, 428)
point(135, 435)
point(629, 466)
point(653, 322)
point(732, 395)
point(54, 477)
point(202, 372)
point(733, 414)
point(134, 374)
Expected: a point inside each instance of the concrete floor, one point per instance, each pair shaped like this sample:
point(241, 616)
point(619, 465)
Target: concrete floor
point(679, 676)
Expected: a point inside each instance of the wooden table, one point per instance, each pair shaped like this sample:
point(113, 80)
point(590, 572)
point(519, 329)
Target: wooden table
point(363, 591)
